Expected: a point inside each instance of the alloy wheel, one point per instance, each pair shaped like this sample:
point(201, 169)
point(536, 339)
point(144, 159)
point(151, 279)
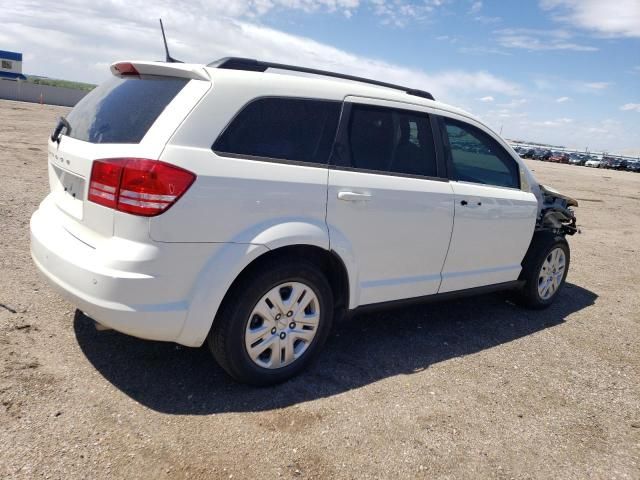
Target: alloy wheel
point(551, 273)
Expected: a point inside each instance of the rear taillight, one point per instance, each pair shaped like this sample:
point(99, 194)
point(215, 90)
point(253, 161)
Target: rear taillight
point(137, 185)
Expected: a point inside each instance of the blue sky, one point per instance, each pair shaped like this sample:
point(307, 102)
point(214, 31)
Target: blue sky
point(560, 71)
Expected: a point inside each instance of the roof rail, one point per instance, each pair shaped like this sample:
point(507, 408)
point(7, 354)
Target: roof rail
point(252, 65)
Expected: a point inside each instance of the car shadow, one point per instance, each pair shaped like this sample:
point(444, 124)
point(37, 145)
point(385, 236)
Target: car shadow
point(364, 349)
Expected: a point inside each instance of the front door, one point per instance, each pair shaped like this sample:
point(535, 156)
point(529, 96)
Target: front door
point(494, 218)
point(389, 210)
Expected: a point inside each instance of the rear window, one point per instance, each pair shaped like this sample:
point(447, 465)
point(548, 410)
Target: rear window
point(121, 110)
point(282, 128)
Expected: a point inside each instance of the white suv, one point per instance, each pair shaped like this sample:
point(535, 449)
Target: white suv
point(247, 204)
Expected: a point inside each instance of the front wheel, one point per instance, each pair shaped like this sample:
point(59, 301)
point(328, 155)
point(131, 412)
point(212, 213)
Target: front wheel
point(273, 324)
point(544, 270)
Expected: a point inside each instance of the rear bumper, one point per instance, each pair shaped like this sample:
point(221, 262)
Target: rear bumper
point(106, 282)
point(152, 322)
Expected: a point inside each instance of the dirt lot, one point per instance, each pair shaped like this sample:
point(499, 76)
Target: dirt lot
point(464, 389)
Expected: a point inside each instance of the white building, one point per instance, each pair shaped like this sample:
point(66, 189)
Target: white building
point(11, 66)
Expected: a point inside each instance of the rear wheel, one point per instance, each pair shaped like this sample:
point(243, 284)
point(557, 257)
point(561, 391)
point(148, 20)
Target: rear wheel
point(544, 270)
point(273, 323)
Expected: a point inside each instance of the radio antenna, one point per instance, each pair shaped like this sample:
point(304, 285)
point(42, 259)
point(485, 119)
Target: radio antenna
point(169, 58)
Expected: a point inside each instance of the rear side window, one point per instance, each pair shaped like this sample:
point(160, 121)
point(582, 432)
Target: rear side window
point(391, 141)
point(282, 128)
point(478, 158)
point(121, 110)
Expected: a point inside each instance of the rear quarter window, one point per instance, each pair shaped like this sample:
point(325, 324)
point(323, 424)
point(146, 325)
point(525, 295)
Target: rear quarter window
point(282, 128)
point(121, 110)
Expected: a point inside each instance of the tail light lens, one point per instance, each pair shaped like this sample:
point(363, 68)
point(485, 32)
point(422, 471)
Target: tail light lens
point(137, 185)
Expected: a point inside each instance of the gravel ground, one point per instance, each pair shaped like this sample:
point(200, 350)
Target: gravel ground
point(475, 388)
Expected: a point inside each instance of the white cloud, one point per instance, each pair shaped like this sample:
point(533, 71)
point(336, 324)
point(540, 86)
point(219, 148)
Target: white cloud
point(475, 7)
point(118, 30)
point(516, 102)
point(634, 107)
point(562, 99)
point(487, 20)
point(554, 123)
point(481, 50)
point(255, 8)
point(596, 85)
point(503, 113)
point(448, 38)
point(488, 98)
point(620, 18)
point(532, 39)
point(400, 12)
point(558, 85)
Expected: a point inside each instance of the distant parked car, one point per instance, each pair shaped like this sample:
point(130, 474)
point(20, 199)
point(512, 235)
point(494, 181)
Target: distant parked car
point(610, 163)
point(544, 155)
point(618, 164)
point(577, 159)
point(633, 166)
point(559, 157)
point(594, 162)
point(528, 153)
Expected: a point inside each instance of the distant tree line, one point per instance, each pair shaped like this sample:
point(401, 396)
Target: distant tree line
point(87, 87)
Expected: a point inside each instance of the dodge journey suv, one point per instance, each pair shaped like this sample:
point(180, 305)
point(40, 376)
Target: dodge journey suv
point(247, 204)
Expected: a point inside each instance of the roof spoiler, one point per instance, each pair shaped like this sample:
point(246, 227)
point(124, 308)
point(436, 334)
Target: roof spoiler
point(135, 68)
point(252, 65)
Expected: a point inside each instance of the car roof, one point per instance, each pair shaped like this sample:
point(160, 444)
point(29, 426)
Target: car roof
point(317, 86)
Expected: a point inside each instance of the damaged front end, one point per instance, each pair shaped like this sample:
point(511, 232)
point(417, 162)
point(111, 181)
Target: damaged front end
point(556, 214)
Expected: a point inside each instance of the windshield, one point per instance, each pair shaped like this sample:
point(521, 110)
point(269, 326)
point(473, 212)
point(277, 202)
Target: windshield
point(121, 110)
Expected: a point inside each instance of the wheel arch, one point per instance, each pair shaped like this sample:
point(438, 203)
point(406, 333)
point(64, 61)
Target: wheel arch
point(240, 261)
point(328, 261)
point(540, 239)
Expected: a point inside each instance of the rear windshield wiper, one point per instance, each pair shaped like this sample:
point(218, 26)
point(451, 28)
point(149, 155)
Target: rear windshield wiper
point(62, 123)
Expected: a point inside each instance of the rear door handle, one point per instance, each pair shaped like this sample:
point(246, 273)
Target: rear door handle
point(353, 196)
point(474, 203)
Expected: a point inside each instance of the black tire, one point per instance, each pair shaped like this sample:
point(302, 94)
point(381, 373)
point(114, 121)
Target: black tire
point(542, 244)
point(226, 338)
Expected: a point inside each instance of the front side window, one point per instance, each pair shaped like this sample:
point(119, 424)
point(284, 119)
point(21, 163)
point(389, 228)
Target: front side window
point(391, 140)
point(478, 158)
point(283, 128)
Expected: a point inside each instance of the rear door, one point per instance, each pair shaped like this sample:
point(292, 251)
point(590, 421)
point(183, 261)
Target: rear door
point(389, 208)
point(494, 217)
point(129, 116)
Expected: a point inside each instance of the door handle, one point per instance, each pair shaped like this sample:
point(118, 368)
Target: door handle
point(353, 196)
point(464, 203)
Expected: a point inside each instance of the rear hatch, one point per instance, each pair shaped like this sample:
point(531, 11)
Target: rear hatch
point(131, 115)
